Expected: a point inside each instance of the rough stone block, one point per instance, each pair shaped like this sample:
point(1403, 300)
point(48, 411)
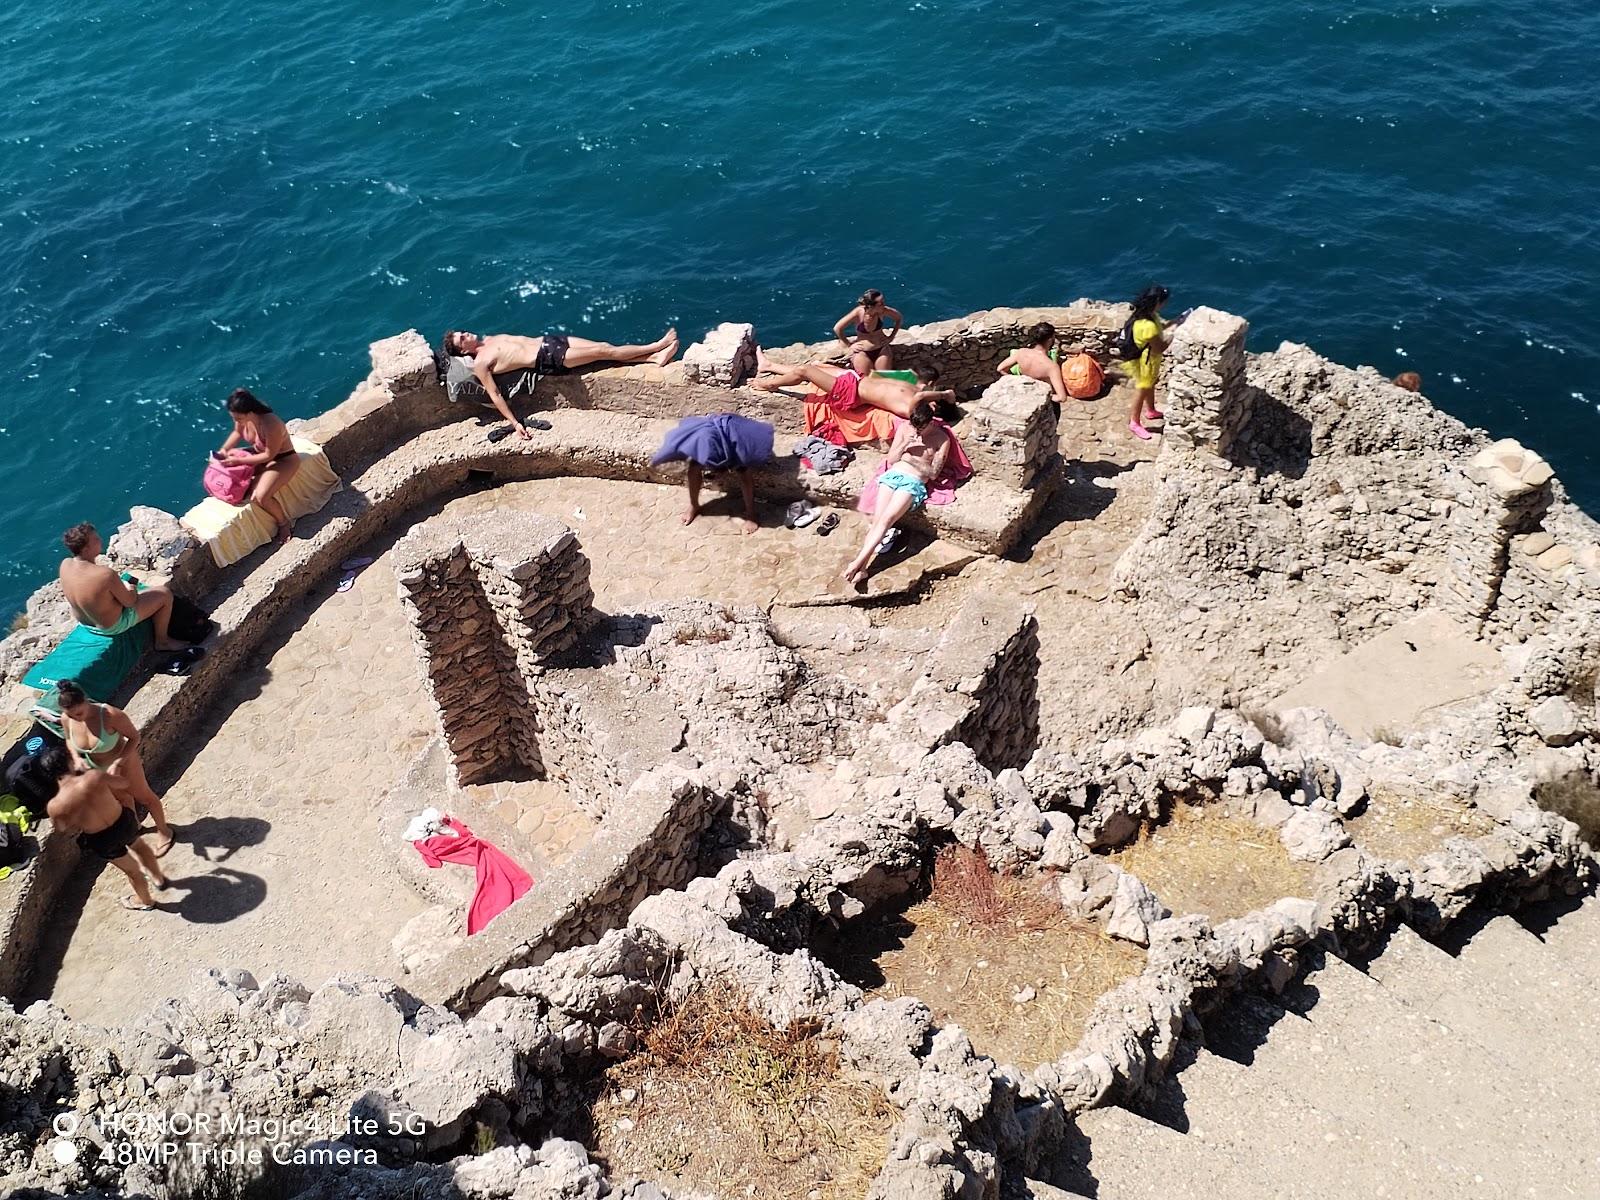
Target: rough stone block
point(724, 358)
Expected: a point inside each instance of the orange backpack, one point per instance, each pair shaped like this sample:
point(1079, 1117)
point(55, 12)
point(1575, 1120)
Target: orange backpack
point(1083, 377)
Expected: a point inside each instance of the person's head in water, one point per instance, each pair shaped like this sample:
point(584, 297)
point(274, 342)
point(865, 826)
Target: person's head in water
point(1042, 336)
point(244, 403)
point(461, 343)
point(72, 700)
point(871, 298)
point(1148, 302)
point(921, 415)
point(1410, 380)
point(81, 540)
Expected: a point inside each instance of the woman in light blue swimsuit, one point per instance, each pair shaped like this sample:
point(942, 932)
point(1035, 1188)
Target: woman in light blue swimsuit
point(916, 459)
point(102, 738)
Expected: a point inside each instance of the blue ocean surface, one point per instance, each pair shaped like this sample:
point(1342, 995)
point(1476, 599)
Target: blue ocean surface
point(199, 196)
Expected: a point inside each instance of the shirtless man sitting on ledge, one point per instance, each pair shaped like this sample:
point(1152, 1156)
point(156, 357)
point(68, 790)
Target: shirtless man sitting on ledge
point(102, 601)
point(547, 355)
point(98, 807)
point(846, 389)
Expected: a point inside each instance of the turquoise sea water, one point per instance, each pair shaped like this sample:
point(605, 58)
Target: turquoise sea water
point(197, 196)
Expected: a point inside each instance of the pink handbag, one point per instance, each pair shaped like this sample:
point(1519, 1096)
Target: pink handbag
point(228, 481)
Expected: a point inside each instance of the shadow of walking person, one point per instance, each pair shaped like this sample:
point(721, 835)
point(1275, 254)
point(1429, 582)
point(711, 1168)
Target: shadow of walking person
point(215, 897)
point(222, 835)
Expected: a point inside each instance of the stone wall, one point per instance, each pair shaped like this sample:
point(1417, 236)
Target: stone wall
point(1203, 383)
point(1009, 432)
point(968, 350)
point(1507, 492)
point(490, 599)
point(979, 687)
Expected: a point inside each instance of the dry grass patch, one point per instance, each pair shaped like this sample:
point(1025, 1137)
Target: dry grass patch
point(1201, 860)
point(994, 955)
point(1400, 825)
point(718, 1099)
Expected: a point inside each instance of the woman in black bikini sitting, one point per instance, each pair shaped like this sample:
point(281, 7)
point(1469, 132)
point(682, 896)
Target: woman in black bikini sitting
point(271, 453)
point(870, 350)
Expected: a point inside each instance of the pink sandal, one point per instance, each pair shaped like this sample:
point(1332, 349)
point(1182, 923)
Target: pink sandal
point(1139, 431)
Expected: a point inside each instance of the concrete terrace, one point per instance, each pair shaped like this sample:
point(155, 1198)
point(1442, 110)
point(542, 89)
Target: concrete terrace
point(277, 790)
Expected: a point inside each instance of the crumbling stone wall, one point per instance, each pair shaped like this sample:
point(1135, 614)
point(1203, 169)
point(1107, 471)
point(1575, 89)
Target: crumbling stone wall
point(1009, 431)
point(1506, 493)
point(1202, 380)
point(968, 350)
point(491, 599)
point(980, 687)
point(744, 697)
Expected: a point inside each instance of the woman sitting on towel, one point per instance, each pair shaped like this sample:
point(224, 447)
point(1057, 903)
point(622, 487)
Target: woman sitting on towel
point(102, 738)
point(916, 458)
point(271, 453)
point(725, 442)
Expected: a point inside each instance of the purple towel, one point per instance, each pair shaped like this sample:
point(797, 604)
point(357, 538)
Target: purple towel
point(724, 441)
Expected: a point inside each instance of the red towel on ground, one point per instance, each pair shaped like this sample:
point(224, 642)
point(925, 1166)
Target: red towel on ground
point(840, 418)
point(500, 881)
point(957, 470)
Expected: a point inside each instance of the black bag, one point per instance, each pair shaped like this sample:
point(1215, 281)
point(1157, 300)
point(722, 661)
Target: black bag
point(13, 844)
point(1125, 349)
point(20, 772)
point(190, 623)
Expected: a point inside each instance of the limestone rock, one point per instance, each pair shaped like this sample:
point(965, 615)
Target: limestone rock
point(1557, 721)
point(1311, 835)
point(723, 358)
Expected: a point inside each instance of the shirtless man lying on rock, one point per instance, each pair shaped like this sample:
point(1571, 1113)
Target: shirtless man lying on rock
point(550, 354)
point(846, 389)
point(102, 601)
point(98, 807)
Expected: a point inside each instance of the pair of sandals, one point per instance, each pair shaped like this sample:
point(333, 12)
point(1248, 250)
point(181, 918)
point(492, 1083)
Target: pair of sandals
point(803, 513)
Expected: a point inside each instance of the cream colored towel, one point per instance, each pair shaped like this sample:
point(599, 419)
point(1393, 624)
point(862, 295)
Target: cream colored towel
point(233, 532)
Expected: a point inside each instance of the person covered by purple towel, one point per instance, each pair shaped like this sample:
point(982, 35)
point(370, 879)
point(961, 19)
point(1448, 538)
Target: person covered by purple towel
point(724, 442)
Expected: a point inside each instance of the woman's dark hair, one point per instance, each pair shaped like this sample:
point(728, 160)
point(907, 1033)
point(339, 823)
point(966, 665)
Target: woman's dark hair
point(926, 373)
point(1041, 333)
point(871, 297)
point(69, 694)
point(921, 415)
point(1147, 301)
point(244, 401)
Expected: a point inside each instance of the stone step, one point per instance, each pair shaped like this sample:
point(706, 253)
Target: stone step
point(1283, 1048)
point(1510, 996)
point(1385, 1062)
point(1572, 937)
point(1253, 1112)
point(1122, 1156)
point(1467, 1090)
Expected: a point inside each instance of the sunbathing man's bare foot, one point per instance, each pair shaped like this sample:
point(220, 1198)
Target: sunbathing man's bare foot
point(689, 514)
point(666, 354)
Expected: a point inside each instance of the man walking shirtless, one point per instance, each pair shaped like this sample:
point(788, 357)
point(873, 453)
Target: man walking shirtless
point(102, 601)
point(98, 807)
point(547, 355)
point(847, 389)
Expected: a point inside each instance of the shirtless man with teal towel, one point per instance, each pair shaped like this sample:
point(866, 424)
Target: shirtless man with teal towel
point(102, 601)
